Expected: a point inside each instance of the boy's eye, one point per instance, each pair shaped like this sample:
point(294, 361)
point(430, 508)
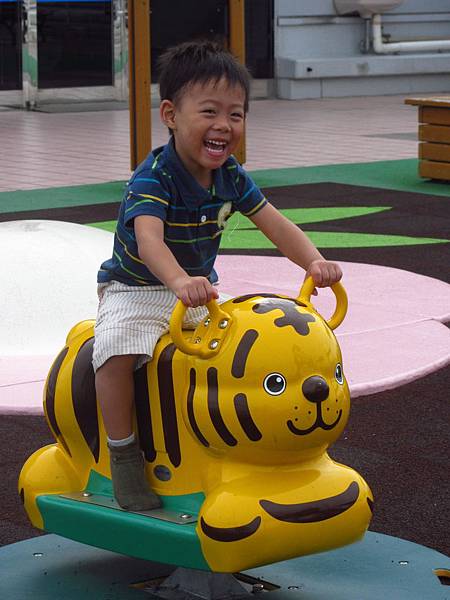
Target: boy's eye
point(237, 116)
point(209, 111)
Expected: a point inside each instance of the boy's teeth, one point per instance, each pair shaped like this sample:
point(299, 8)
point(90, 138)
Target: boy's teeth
point(215, 147)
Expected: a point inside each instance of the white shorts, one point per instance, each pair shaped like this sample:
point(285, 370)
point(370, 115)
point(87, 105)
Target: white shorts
point(131, 319)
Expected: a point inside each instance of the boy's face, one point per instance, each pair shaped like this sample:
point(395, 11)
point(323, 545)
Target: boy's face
point(207, 124)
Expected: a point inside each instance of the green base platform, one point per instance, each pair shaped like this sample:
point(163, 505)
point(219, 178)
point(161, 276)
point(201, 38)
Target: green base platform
point(379, 567)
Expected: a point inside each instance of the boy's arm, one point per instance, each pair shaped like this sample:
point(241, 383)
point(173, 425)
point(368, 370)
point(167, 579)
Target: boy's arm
point(296, 246)
point(192, 291)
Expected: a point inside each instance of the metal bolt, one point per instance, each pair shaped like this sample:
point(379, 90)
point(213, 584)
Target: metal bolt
point(257, 588)
point(197, 340)
point(293, 587)
point(86, 494)
point(403, 562)
point(185, 516)
point(206, 322)
point(223, 323)
point(37, 554)
point(213, 344)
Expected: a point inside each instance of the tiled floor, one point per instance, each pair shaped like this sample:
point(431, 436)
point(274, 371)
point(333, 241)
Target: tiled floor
point(54, 149)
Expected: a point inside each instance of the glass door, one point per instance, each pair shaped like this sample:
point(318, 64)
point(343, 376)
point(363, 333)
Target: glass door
point(74, 44)
point(10, 51)
point(74, 50)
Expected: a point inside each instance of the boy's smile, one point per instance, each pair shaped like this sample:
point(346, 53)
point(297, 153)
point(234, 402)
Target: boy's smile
point(207, 123)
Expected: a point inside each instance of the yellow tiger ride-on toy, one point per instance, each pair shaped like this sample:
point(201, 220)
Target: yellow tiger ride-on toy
point(234, 420)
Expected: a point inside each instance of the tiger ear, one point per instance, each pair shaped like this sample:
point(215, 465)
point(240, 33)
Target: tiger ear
point(341, 301)
point(209, 335)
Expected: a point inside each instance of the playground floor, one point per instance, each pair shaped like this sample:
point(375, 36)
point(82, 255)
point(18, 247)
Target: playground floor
point(347, 152)
point(43, 149)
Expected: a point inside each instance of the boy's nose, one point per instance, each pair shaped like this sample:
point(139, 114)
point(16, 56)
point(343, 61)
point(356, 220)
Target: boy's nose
point(222, 124)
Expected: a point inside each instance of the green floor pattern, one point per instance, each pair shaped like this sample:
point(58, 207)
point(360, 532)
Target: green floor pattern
point(242, 234)
point(394, 175)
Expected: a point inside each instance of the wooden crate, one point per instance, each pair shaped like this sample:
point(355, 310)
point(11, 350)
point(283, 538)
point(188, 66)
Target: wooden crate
point(434, 136)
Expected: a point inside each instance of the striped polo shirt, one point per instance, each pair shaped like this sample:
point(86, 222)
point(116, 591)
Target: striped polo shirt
point(194, 217)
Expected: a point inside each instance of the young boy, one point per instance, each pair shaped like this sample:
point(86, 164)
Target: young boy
point(168, 234)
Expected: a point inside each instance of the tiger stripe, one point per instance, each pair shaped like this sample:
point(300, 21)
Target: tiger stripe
point(190, 409)
point(143, 414)
point(50, 397)
point(214, 409)
point(246, 297)
point(168, 405)
point(85, 406)
point(245, 418)
point(230, 534)
point(242, 352)
point(315, 511)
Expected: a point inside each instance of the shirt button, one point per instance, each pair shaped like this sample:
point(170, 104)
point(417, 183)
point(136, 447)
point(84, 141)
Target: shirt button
point(203, 218)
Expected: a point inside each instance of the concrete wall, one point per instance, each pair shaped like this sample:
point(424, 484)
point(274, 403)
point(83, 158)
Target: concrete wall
point(319, 53)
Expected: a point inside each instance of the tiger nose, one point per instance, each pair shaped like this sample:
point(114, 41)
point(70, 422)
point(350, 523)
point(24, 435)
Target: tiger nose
point(315, 389)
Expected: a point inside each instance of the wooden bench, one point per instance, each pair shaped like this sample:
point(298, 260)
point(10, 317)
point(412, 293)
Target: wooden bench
point(434, 136)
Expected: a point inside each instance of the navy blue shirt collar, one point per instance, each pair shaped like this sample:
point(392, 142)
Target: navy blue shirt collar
point(191, 191)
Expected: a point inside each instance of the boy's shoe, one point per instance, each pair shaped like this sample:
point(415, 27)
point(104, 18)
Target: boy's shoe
point(131, 489)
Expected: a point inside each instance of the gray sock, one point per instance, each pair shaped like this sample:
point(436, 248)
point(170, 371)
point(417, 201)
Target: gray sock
point(131, 489)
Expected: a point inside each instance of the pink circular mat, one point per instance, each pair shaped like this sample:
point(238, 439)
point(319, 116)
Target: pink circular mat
point(394, 331)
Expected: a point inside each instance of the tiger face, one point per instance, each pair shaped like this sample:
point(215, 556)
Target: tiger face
point(276, 387)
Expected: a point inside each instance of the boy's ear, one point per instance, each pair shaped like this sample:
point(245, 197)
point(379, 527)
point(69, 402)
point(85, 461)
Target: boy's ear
point(167, 113)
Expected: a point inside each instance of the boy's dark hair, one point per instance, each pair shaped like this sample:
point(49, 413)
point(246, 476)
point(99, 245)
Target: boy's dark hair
point(199, 62)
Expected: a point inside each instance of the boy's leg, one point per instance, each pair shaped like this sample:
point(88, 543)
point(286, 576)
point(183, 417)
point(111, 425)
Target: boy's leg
point(114, 383)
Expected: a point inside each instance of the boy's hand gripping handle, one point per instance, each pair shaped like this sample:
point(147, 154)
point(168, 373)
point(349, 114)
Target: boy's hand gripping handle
point(208, 336)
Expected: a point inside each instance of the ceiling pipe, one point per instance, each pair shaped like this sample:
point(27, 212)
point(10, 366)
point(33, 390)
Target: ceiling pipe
point(381, 47)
